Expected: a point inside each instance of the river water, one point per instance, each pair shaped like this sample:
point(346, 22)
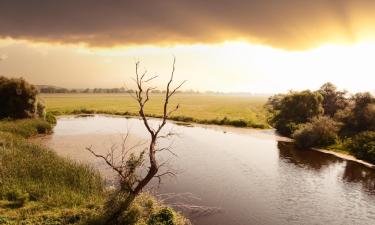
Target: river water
point(233, 176)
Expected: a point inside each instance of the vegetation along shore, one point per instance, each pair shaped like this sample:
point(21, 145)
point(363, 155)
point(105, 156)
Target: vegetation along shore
point(39, 187)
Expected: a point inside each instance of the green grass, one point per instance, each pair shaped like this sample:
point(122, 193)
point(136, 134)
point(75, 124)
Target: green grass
point(239, 110)
point(26, 127)
point(39, 187)
point(36, 185)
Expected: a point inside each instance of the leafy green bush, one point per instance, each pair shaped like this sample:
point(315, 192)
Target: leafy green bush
point(294, 108)
point(320, 131)
point(50, 118)
point(164, 217)
point(362, 146)
point(360, 116)
point(18, 98)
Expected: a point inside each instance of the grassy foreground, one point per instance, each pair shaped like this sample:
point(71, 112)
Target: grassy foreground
point(39, 187)
point(240, 111)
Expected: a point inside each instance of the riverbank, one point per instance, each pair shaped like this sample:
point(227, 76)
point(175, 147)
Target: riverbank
point(39, 187)
point(253, 162)
point(346, 156)
point(266, 133)
point(232, 110)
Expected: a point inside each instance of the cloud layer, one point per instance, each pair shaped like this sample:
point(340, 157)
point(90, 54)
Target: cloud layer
point(288, 24)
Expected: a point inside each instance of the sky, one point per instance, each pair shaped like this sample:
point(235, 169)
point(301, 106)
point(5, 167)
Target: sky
point(258, 46)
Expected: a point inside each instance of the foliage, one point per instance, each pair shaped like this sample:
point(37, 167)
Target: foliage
point(320, 131)
point(145, 210)
point(361, 116)
point(164, 217)
point(40, 110)
point(362, 146)
point(333, 100)
point(18, 98)
point(50, 118)
point(288, 111)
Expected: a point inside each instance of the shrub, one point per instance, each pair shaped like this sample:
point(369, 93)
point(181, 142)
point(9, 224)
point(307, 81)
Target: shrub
point(360, 116)
point(40, 110)
point(362, 146)
point(320, 131)
point(50, 118)
point(18, 98)
point(164, 217)
point(294, 108)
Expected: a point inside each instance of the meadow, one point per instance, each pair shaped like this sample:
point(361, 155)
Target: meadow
point(236, 110)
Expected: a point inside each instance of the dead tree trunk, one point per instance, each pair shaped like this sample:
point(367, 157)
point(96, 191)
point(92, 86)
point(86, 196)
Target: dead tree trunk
point(131, 184)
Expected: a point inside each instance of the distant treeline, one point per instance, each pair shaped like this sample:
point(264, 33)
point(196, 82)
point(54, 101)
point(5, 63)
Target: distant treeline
point(52, 89)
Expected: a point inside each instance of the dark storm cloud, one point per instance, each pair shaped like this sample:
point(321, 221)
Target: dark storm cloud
point(291, 24)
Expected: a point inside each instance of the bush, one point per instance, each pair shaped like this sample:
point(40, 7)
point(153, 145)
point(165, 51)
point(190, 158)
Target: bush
point(164, 217)
point(50, 118)
point(18, 98)
point(294, 108)
point(320, 131)
point(362, 146)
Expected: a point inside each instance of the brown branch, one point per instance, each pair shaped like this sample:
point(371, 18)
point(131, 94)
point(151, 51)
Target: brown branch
point(109, 163)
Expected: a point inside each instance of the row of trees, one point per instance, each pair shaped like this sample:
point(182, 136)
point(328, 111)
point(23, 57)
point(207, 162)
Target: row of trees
point(325, 117)
point(51, 89)
point(57, 90)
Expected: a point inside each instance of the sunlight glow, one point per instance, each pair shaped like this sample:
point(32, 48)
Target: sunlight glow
point(233, 66)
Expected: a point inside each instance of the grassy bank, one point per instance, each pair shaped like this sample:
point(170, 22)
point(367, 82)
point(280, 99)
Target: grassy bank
point(39, 187)
point(240, 111)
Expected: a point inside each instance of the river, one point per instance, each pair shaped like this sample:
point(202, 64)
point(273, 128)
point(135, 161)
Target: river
point(229, 176)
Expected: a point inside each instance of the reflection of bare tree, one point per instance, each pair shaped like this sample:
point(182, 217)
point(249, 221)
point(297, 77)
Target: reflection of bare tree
point(357, 173)
point(305, 158)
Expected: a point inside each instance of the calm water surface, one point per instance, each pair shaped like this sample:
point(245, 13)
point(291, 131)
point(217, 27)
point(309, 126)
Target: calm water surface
point(236, 176)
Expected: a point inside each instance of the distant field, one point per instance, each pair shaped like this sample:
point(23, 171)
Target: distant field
point(199, 107)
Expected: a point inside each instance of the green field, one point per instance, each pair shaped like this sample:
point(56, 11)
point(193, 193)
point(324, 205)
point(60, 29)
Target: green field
point(201, 108)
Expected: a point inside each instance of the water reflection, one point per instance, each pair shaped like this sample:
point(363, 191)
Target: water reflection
point(246, 176)
point(352, 172)
point(305, 158)
point(357, 173)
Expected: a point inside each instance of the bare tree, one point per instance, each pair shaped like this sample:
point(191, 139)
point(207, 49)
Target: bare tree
point(131, 167)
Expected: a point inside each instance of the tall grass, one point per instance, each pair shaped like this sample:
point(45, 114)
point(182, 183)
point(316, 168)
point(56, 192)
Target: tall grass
point(39, 187)
point(43, 176)
point(36, 185)
point(26, 127)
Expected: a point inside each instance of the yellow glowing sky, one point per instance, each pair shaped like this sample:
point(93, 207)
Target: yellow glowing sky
point(230, 66)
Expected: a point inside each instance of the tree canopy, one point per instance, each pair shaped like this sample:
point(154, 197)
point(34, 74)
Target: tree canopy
point(17, 98)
